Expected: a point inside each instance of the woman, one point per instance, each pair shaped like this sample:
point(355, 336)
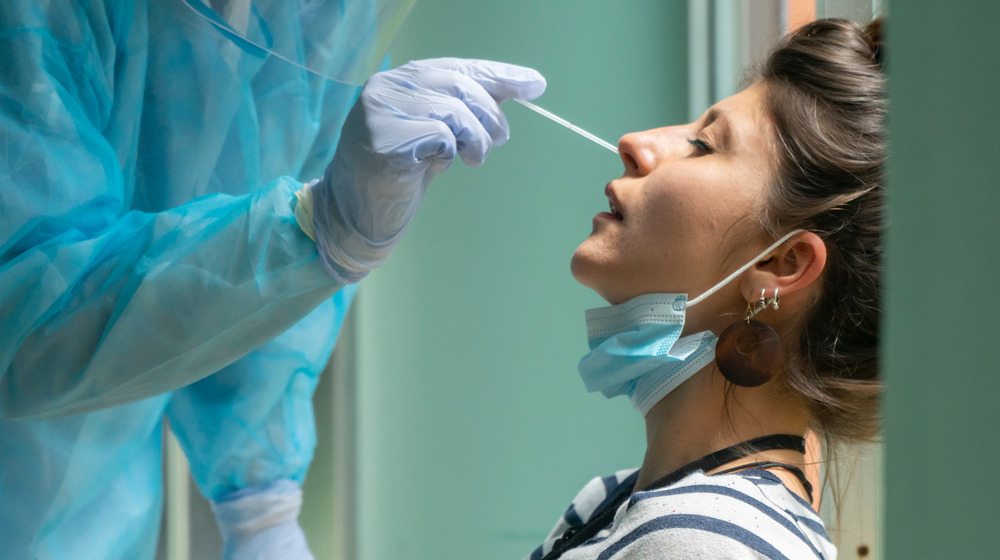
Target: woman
point(773, 195)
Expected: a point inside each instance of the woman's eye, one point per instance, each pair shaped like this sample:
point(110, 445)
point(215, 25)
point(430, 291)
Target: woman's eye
point(700, 145)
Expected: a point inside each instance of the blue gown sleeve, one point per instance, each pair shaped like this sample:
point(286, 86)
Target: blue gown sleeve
point(102, 305)
point(252, 423)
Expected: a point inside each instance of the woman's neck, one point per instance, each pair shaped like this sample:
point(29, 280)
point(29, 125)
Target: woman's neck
point(698, 418)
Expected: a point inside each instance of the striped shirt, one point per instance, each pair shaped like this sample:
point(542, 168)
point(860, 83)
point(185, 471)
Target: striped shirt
point(747, 515)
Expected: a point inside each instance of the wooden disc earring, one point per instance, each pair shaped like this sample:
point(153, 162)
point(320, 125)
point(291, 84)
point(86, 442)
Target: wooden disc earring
point(748, 353)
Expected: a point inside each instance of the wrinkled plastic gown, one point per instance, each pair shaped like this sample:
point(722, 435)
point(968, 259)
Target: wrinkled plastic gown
point(148, 161)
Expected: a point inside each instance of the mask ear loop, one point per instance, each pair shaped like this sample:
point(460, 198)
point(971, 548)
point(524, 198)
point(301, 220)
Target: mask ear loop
point(743, 269)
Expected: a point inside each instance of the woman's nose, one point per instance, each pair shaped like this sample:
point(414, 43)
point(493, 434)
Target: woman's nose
point(628, 150)
point(642, 151)
point(635, 156)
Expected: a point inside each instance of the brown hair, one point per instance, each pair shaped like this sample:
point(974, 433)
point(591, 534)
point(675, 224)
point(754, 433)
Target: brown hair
point(826, 95)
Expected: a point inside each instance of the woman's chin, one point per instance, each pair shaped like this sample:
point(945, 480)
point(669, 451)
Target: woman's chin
point(589, 273)
point(580, 267)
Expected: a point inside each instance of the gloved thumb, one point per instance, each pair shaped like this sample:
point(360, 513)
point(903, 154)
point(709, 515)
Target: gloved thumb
point(501, 80)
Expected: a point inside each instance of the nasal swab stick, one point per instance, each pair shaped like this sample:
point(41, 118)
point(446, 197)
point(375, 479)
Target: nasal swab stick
point(568, 125)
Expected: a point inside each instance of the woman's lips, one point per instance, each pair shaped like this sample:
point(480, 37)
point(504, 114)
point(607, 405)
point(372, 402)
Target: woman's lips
point(613, 204)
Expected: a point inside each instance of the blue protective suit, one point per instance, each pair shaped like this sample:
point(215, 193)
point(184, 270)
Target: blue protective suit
point(147, 241)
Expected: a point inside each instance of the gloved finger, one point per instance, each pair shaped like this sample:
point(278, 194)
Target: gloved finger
point(411, 141)
point(428, 80)
point(503, 81)
point(449, 127)
point(473, 140)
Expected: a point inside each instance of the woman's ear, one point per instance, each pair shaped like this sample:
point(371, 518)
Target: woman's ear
point(795, 265)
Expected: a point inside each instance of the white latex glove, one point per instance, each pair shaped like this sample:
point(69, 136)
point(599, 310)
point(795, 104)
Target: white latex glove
point(261, 523)
point(404, 129)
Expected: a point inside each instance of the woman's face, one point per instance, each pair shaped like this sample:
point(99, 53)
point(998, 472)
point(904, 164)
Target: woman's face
point(686, 206)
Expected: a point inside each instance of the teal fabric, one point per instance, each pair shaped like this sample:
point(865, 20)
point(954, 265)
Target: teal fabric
point(147, 241)
point(252, 423)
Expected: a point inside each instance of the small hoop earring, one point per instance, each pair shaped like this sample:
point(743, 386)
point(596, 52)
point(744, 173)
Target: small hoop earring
point(748, 353)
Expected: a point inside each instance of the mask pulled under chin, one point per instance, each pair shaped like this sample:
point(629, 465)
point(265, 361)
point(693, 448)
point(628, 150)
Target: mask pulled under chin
point(636, 349)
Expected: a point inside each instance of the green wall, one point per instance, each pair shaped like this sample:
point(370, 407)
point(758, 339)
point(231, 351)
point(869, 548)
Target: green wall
point(474, 430)
point(943, 306)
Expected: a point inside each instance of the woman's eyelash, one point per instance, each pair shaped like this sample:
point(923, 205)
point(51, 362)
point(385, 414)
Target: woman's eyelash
point(700, 145)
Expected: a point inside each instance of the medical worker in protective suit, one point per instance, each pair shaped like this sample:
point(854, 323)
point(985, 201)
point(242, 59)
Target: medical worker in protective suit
point(164, 252)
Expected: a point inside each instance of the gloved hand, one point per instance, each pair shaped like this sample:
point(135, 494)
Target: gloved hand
point(262, 523)
point(404, 129)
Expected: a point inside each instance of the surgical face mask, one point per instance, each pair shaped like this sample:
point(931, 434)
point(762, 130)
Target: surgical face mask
point(636, 348)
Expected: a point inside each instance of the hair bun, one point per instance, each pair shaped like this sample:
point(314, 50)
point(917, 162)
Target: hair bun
point(876, 41)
